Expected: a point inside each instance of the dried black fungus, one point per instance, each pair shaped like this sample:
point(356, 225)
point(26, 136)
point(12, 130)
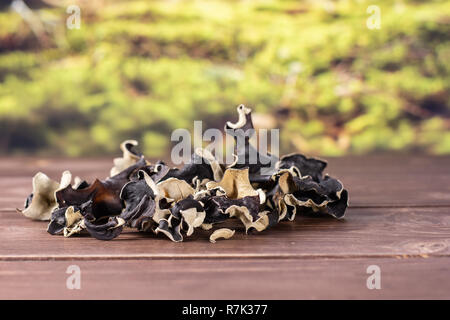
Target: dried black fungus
point(304, 166)
point(157, 199)
point(261, 166)
point(105, 195)
point(202, 166)
point(105, 231)
point(140, 205)
point(57, 222)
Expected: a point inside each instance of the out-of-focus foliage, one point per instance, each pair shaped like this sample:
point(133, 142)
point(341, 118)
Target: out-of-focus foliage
point(140, 69)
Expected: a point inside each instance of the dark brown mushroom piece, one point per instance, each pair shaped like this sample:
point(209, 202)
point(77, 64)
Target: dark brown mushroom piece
point(305, 166)
point(106, 231)
point(261, 166)
point(139, 197)
point(105, 195)
point(326, 196)
point(201, 166)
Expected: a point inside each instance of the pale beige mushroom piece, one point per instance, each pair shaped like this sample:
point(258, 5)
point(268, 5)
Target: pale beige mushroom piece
point(175, 189)
point(242, 111)
point(160, 213)
point(193, 219)
point(236, 184)
point(246, 218)
point(223, 233)
point(127, 160)
point(74, 222)
point(206, 226)
point(214, 164)
point(44, 200)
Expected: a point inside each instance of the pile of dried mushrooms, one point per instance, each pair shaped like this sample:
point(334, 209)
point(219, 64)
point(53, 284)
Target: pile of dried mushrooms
point(202, 194)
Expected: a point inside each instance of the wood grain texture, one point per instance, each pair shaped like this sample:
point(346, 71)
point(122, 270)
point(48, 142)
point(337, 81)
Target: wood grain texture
point(364, 232)
point(228, 279)
point(399, 219)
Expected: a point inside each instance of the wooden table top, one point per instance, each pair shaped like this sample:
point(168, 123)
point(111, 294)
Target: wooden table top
point(398, 219)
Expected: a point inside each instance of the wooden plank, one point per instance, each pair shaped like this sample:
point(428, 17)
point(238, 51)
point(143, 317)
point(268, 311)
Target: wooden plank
point(378, 181)
point(309, 258)
point(415, 278)
point(364, 232)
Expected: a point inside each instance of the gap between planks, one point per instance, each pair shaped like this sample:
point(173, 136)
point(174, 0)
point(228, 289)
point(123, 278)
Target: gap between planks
point(227, 256)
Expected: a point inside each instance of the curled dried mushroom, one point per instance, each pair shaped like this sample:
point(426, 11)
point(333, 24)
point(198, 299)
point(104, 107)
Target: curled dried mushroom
point(174, 202)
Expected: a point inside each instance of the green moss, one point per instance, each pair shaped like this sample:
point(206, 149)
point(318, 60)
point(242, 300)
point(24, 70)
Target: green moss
point(139, 69)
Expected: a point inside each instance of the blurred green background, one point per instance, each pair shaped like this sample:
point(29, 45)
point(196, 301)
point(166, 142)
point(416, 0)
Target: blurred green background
point(140, 69)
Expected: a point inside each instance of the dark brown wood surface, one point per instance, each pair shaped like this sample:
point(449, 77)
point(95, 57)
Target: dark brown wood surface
point(399, 219)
